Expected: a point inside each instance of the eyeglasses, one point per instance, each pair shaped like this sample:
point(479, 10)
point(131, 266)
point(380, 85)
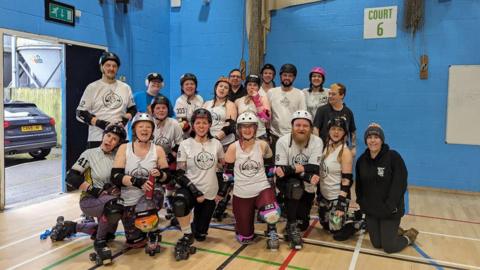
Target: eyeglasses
point(235, 76)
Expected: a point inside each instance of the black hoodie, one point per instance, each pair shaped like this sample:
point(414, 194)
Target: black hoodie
point(381, 183)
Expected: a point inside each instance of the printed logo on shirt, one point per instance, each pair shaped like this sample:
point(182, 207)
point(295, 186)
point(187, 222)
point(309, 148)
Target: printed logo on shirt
point(139, 172)
point(300, 159)
point(215, 118)
point(204, 160)
point(249, 168)
point(82, 103)
point(162, 141)
point(112, 101)
point(380, 171)
point(285, 102)
point(277, 157)
point(323, 169)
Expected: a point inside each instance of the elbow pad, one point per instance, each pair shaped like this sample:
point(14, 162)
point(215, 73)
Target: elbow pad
point(132, 110)
point(74, 179)
point(230, 128)
point(117, 176)
point(85, 116)
point(288, 170)
point(311, 168)
point(164, 177)
point(269, 167)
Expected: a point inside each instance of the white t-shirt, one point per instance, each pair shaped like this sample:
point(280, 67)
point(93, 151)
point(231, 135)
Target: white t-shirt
point(285, 155)
point(219, 115)
point(184, 108)
point(249, 172)
point(137, 167)
point(314, 100)
point(284, 104)
point(201, 164)
point(331, 175)
point(108, 102)
point(242, 107)
point(168, 135)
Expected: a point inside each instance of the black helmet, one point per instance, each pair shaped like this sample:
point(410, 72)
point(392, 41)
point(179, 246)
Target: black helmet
point(188, 76)
point(289, 68)
point(338, 121)
point(253, 78)
point(154, 76)
point(109, 56)
point(159, 100)
point(201, 113)
point(268, 66)
point(117, 130)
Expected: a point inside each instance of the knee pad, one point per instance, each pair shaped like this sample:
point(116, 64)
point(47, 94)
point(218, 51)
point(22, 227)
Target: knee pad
point(113, 211)
point(294, 189)
point(147, 221)
point(182, 203)
point(270, 213)
point(335, 223)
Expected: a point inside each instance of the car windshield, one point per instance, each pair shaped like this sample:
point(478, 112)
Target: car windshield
point(20, 111)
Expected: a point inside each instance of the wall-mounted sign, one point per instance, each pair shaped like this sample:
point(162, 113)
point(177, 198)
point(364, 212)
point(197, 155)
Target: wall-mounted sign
point(380, 22)
point(59, 12)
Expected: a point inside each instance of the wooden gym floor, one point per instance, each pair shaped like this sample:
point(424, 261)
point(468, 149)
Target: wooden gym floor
point(449, 225)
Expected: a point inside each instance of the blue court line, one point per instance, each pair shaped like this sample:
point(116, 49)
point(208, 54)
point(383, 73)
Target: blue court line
point(407, 202)
point(425, 255)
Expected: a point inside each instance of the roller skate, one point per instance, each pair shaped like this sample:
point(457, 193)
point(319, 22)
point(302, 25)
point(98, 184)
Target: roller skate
point(184, 247)
point(63, 229)
point(153, 243)
point(102, 254)
point(272, 238)
point(293, 236)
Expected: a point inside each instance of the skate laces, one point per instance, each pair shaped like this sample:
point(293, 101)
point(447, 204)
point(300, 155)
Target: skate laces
point(273, 235)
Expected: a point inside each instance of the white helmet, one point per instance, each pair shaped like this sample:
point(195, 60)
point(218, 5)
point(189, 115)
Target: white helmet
point(142, 117)
point(302, 115)
point(247, 117)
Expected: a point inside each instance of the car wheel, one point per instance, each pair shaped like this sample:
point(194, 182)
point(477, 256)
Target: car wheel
point(40, 154)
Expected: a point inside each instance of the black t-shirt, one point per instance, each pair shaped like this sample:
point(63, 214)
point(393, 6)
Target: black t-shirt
point(242, 91)
point(325, 113)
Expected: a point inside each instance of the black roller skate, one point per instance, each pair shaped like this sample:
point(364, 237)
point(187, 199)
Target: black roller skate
point(102, 254)
point(184, 247)
point(63, 229)
point(219, 213)
point(153, 243)
point(293, 236)
point(272, 238)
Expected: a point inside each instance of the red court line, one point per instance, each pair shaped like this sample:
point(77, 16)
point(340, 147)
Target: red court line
point(294, 251)
point(442, 218)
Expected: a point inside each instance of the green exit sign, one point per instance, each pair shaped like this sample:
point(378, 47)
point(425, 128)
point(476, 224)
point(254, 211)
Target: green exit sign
point(59, 12)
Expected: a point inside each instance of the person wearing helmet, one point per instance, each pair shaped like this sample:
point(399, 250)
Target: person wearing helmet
point(316, 95)
point(223, 113)
point(336, 179)
point(249, 165)
point(134, 163)
point(297, 160)
point(154, 83)
point(284, 101)
point(237, 90)
point(335, 107)
point(381, 183)
point(267, 73)
point(99, 197)
point(254, 102)
point(105, 101)
point(198, 159)
point(188, 102)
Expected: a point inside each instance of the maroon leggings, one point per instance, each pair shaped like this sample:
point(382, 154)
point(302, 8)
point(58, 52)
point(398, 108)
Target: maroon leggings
point(244, 210)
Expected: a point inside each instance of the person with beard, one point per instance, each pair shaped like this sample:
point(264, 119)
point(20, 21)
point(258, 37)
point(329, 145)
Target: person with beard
point(297, 162)
point(336, 179)
point(106, 101)
point(381, 183)
point(316, 95)
point(168, 134)
point(284, 100)
point(256, 103)
point(198, 159)
point(248, 163)
point(223, 113)
point(237, 90)
point(267, 73)
point(134, 163)
point(188, 102)
point(336, 107)
point(143, 99)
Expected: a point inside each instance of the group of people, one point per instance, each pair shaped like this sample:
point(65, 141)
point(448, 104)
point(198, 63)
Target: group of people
point(275, 149)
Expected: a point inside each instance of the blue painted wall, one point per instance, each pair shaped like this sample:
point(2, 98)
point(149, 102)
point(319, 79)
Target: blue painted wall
point(382, 76)
point(140, 37)
point(205, 40)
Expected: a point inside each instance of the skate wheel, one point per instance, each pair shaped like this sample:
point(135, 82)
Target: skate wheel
point(152, 253)
point(99, 261)
point(92, 257)
point(178, 257)
point(193, 250)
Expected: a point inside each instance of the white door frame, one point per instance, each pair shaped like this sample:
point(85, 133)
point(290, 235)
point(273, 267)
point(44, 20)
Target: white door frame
point(4, 31)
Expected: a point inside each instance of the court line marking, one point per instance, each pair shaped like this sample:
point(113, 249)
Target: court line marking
point(451, 236)
point(425, 255)
point(442, 218)
point(353, 262)
point(27, 238)
point(290, 256)
point(231, 257)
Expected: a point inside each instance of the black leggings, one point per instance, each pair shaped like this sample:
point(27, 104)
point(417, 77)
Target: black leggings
point(384, 234)
point(202, 215)
point(299, 210)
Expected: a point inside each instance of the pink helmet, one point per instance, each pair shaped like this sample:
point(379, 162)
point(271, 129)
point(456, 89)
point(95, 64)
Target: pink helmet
point(318, 70)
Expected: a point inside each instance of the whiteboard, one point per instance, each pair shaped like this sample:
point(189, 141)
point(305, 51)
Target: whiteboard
point(463, 111)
